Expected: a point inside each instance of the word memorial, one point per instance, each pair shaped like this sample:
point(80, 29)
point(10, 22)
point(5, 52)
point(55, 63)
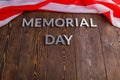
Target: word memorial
point(59, 23)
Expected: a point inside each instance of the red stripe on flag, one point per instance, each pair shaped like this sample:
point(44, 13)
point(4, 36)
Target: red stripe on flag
point(7, 14)
point(115, 8)
point(12, 10)
point(117, 1)
point(75, 2)
point(107, 14)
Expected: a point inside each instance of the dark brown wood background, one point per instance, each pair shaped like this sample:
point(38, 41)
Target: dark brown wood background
point(94, 53)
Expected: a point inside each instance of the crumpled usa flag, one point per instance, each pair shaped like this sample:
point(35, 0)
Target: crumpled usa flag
point(9, 9)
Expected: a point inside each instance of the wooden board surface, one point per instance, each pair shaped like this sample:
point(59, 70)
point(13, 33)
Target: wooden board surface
point(94, 53)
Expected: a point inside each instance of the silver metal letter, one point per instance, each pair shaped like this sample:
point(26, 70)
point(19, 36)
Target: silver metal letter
point(48, 23)
point(38, 22)
point(52, 39)
point(27, 23)
point(59, 22)
point(84, 23)
point(69, 22)
point(68, 39)
point(59, 40)
point(76, 22)
point(91, 22)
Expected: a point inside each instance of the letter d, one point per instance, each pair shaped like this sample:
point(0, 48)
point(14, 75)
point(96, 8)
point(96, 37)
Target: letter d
point(49, 39)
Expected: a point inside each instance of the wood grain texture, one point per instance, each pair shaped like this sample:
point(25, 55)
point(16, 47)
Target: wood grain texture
point(94, 53)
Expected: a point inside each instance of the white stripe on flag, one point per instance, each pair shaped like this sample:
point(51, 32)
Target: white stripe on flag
point(19, 2)
point(115, 20)
point(68, 8)
point(108, 1)
point(94, 8)
point(4, 22)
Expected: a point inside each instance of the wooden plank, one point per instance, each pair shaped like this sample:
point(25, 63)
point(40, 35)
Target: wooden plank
point(89, 59)
point(11, 52)
point(69, 53)
point(61, 59)
point(30, 53)
point(4, 32)
point(110, 38)
point(40, 59)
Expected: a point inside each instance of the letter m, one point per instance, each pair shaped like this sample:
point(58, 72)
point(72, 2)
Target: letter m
point(27, 23)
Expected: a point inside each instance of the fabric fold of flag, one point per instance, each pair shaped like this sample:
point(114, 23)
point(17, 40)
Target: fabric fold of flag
point(9, 9)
